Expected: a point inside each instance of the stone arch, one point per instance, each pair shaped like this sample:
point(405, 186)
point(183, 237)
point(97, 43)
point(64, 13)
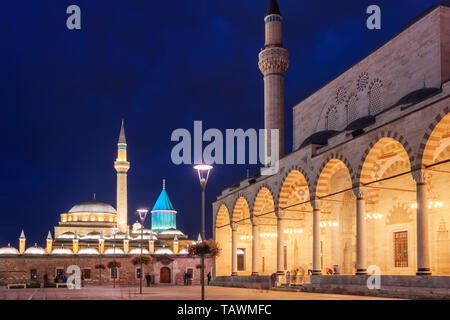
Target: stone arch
point(222, 216)
point(293, 187)
point(263, 202)
point(431, 139)
point(241, 210)
point(332, 160)
point(366, 160)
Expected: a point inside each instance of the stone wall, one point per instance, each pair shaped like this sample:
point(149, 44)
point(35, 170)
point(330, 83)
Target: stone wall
point(17, 269)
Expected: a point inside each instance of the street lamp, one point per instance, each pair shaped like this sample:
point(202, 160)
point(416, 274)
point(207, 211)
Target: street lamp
point(142, 213)
point(203, 175)
point(114, 231)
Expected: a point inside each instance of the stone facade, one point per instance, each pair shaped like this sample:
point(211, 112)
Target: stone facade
point(17, 269)
point(367, 183)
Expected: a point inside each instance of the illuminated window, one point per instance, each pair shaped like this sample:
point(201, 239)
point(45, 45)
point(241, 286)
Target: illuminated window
point(33, 274)
point(87, 274)
point(138, 273)
point(114, 273)
point(59, 273)
point(241, 259)
point(401, 249)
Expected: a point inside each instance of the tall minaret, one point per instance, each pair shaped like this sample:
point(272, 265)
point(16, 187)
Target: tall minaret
point(122, 166)
point(273, 63)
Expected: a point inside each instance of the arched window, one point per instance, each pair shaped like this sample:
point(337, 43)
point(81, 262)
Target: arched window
point(332, 119)
point(352, 110)
point(375, 103)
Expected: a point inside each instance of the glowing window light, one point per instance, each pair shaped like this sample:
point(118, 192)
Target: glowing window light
point(293, 231)
point(432, 204)
point(268, 235)
point(329, 223)
point(374, 216)
point(246, 238)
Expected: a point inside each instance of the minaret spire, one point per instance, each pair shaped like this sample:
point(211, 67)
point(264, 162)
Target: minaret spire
point(122, 138)
point(164, 184)
point(273, 8)
point(122, 166)
point(273, 63)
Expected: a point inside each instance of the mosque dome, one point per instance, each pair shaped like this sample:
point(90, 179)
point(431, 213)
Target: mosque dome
point(67, 235)
point(172, 232)
point(114, 251)
point(93, 206)
point(88, 250)
point(183, 251)
point(35, 250)
point(138, 251)
point(9, 250)
point(163, 251)
point(62, 251)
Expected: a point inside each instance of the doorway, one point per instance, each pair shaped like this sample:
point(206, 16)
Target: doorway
point(164, 275)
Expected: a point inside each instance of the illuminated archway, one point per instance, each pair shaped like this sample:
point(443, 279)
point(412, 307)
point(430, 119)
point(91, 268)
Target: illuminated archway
point(390, 217)
point(266, 220)
point(297, 213)
point(223, 238)
point(334, 189)
point(437, 151)
point(241, 218)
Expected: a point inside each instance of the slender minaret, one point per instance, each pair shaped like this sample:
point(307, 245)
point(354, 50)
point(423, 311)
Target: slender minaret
point(22, 240)
point(273, 63)
point(49, 242)
point(122, 166)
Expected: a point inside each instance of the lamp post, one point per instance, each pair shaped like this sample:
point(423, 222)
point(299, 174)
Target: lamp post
point(114, 230)
point(142, 213)
point(203, 175)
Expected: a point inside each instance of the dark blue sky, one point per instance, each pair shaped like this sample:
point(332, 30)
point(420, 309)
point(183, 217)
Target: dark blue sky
point(160, 65)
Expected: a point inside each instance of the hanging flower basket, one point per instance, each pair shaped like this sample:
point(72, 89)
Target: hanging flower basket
point(100, 266)
point(114, 264)
point(135, 260)
point(204, 248)
point(199, 266)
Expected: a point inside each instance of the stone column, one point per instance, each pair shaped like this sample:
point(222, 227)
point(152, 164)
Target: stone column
point(280, 246)
point(234, 235)
point(423, 241)
point(317, 268)
point(361, 232)
point(255, 249)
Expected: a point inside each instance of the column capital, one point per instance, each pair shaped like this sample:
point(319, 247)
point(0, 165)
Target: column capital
point(316, 204)
point(421, 176)
point(360, 193)
point(234, 226)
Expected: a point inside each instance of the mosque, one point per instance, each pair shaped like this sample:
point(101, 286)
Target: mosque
point(94, 231)
point(366, 187)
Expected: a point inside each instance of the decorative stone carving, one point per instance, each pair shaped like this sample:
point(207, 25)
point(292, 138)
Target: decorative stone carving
point(362, 82)
point(340, 95)
point(273, 60)
point(399, 214)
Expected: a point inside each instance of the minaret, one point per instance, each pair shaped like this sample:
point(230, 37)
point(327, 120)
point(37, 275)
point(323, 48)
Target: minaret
point(273, 63)
point(122, 166)
point(22, 240)
point(49, 242)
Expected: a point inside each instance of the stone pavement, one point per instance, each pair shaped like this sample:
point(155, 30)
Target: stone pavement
point(106, 292)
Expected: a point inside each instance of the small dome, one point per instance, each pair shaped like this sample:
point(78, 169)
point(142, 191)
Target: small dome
point(93, 206)
point(35, 250)
point(163, 251)
point(92, 235)
point(118, 236)
point(183, 251)
point(138, 251)
point(88, 250)
point(9, 250)
point(111, 251)
point(172, 232)
point(62, 251)
point(66, 235)
point(145, 237)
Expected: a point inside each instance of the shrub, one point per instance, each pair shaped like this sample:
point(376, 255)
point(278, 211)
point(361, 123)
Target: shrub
point(204, 247)
point(135, 260)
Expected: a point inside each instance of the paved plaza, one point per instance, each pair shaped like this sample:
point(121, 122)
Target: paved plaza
point(165, 293)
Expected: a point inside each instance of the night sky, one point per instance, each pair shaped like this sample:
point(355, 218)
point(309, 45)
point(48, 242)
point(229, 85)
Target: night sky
point(160, 65)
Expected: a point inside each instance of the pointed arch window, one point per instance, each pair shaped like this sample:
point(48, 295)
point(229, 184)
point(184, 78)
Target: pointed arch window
point(375, 96)
point(332, 119)
point(352, 110)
